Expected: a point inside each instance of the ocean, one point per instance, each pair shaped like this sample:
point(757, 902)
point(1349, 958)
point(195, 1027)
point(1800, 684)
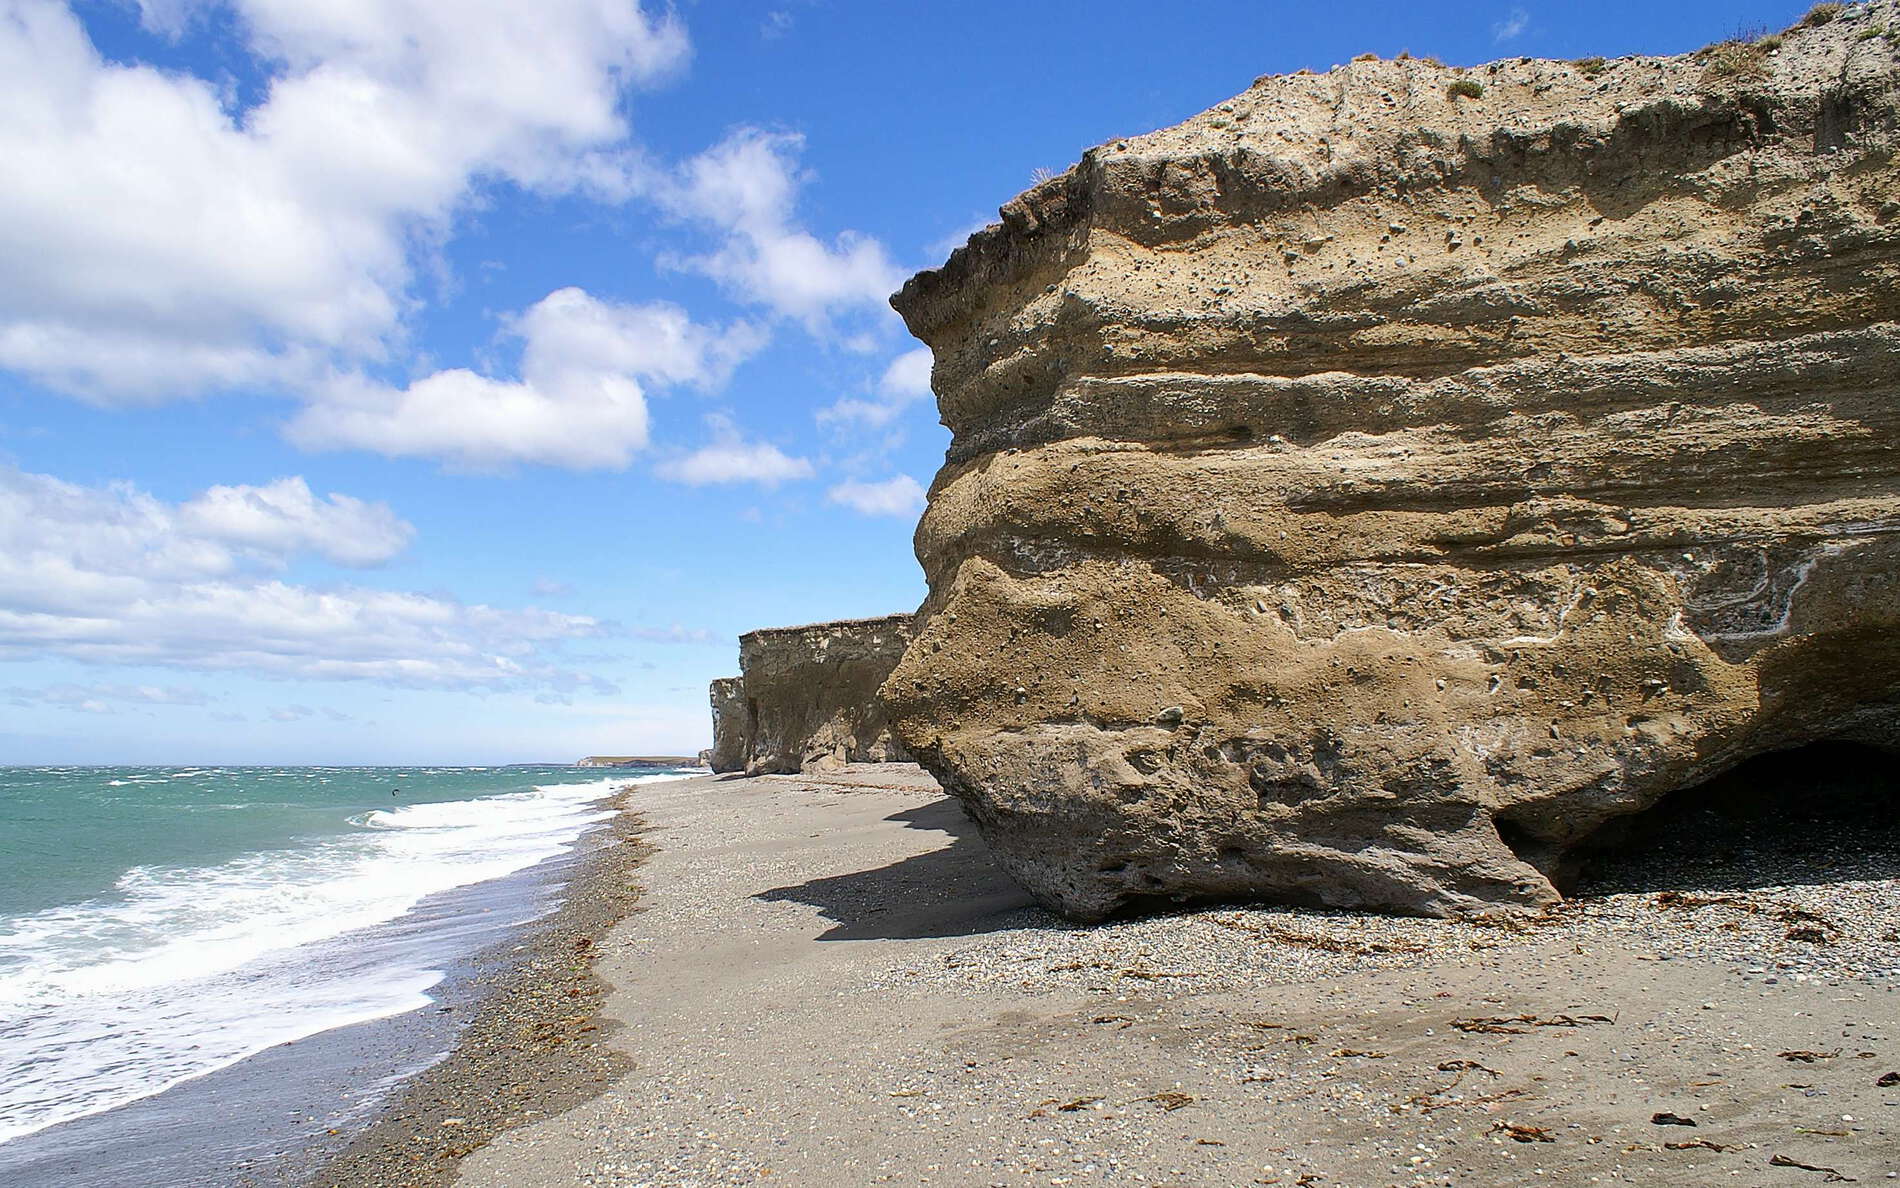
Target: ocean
point(160, 923)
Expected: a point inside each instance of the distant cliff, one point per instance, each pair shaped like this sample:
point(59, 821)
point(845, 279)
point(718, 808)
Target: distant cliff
point(732, 725)
point(636, 761)
point(807, 697)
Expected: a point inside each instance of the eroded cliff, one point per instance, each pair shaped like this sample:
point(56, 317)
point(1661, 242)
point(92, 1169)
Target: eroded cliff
point(1363, 491)
point(806, 698)
point(732, 725)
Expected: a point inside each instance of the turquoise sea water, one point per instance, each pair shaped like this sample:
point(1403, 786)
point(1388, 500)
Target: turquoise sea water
point(157, 923)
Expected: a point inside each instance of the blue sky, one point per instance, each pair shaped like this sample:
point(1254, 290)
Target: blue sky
point(415, 381)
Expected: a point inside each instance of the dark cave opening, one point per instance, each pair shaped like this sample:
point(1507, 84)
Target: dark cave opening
point(1824, 813)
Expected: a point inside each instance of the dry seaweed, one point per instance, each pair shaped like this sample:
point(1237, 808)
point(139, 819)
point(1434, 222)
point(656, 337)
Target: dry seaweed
point(1693, 1144)
point(1834, 1175)
point(1168, 1099)
point(1509, 1024)
point(1525, 1134)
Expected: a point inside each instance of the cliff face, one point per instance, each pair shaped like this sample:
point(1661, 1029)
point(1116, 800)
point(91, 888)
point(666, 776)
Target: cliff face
point(1363, 491)
point(732, 725)
point(807, 697)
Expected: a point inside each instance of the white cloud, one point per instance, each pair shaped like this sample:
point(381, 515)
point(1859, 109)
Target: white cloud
point(579, 402)
point(547, 587)
point(746, 188)
point(120, 531)
point(940, 249)
point(102, 698)
point(729, 458)
point(899, 495)
point(283, 517)
point(476, 423)
point(675, 634)
point(908, 375)
point(570, 331)
point(905, 381)
point(260, 246)
point(297, 713)
point(276, 247)
point(1511, 27)
point(776, 24)
point(112, 574)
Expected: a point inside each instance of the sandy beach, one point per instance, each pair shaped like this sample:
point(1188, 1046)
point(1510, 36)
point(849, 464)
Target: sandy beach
point(536, 1041)
point(827, 982)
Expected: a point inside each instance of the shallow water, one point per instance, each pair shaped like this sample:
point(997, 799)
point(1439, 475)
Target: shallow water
point(157, 924)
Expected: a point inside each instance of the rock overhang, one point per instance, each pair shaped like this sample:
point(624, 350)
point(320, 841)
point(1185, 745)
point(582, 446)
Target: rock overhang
point(1466, 471)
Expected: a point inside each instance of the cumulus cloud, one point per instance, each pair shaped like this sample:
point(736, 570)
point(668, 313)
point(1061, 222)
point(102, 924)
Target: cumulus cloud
point(745, 188)
point(112, 574)
point(121, 531)
point(908, 374)
point(1511, 27)
point(258, 246)
point(730, 458)
point(283, 517)
point(905, 381)
point(899, 495)
point(578, 403)
point(273, 242)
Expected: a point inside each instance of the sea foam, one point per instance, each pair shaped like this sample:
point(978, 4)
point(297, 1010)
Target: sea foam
point(186, 970)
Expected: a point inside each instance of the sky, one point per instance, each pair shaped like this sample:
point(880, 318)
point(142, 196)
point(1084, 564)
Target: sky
point(453, 381)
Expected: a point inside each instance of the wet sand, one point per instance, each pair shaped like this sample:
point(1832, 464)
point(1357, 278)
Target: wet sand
point(829, 983)
point(273, 1119)
point(536, 1042)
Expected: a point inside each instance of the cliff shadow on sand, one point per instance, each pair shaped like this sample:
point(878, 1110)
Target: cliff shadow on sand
point(954, 891)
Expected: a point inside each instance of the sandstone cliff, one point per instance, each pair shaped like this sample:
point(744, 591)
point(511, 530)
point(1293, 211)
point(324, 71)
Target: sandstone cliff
point(807, 697)
point(732, 725)
point(1363, 491)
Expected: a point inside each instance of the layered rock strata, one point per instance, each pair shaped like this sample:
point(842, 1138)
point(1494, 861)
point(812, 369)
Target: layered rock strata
point(732, 725)
point(806, 698)
point(1362, 492)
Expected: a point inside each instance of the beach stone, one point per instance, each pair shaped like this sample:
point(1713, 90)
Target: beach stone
point(806, 699)
point(1361, 493)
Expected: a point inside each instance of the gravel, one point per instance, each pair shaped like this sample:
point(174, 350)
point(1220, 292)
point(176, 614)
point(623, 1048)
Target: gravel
point(829, 983)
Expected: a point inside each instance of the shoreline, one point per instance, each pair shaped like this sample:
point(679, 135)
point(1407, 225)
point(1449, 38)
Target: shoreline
point(536, 1042)
point(288, 1110)
point(841, 988)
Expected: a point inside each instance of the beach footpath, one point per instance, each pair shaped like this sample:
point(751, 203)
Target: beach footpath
point(827, 982)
